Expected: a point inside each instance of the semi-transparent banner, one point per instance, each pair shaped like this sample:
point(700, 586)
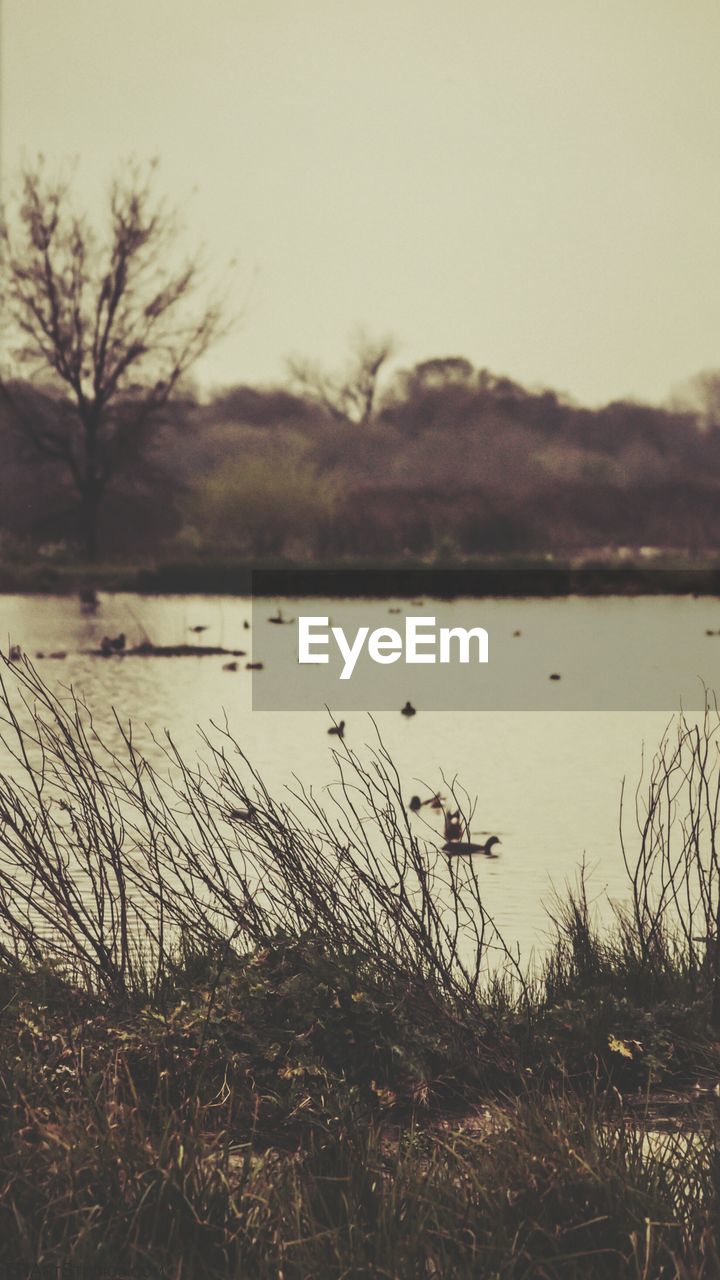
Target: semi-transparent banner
point(515, 640)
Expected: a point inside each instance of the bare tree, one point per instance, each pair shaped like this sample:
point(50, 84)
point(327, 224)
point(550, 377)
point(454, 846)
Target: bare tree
point(700, 397)
point(705, 397)
point(351, 396)
point(108, 323)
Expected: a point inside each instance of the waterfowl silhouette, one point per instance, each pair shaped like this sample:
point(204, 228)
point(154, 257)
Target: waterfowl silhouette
point(197, 630)
point(408, 710)
point(254, 666)
point(88, 600)
point(453, 826)
point(434, 802)
point(231, 666)
point(338, 729)
point(112, 644)
point(243, 815)
point(279, 621)
point(554, 676)
point(458, 847)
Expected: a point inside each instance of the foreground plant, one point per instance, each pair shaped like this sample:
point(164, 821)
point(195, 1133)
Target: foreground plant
point(243, 1037)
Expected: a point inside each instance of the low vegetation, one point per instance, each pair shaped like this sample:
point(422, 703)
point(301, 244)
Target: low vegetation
point(250, 1037)
point(453, 463)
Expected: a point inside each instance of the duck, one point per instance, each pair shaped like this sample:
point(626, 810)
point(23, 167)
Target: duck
point(112, 644)
point(231, 666)
point(197, 631)
point(279, 621)
point(243, 815)
point(89, 599)
point(453, 827)
point(434, 802)
point(408, 710)
point(338, 729)
point(458, 847)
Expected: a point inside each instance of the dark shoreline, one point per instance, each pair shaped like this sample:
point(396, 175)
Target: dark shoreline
point(353, 579)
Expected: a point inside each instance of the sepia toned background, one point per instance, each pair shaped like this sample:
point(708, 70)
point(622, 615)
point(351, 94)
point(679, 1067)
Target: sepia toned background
point(484, 233)
point(385, 286)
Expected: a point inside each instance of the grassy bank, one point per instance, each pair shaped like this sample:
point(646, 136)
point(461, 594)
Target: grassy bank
point(243, 1036)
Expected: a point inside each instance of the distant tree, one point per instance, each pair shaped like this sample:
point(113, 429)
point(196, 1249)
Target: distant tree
point(438, 375)
point(702, 396)
point(108, 324)
point(351, 396)
point(445, 371)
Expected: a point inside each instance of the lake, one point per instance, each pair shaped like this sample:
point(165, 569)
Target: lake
point(547, 782)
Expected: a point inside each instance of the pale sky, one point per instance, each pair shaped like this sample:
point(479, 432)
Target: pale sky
point(533, 184)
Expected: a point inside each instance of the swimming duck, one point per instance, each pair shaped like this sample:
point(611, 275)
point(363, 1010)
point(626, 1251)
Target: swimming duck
point(279, 621)
point(434, 802)
point(243, 815)
point(408, 710)
point(112, 644)
point(458, 847)
point(89, 601)
point(453, 826)
point(338, 729)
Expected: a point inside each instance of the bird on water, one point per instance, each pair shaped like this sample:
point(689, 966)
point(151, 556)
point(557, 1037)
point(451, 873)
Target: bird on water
point(456, 846)
point(434, 802)
point(112, 644)
point(453, 826)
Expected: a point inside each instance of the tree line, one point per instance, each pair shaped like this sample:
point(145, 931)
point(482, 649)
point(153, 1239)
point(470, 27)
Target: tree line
point(108, 449)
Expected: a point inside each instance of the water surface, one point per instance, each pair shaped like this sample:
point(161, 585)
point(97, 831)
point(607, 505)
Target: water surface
point(547, 782)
